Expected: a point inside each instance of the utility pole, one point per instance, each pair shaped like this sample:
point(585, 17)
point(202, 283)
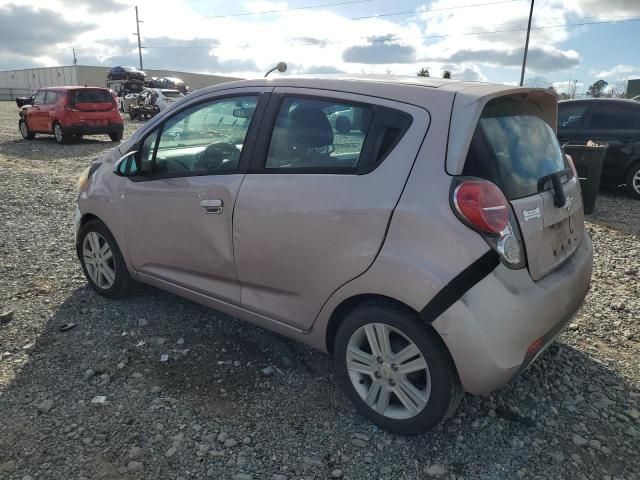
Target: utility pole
point(526, 45)
point(75, 59)
point(138, 22)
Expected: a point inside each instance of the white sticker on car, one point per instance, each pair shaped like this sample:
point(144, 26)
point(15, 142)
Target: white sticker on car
point(531, 214)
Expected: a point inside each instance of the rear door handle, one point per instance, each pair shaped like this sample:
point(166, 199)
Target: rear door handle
point(212, 206)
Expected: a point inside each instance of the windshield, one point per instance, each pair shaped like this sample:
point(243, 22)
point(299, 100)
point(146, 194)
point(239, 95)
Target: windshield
point(514, 151)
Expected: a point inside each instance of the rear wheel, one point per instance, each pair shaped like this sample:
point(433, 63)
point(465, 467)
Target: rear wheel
point(396, 371)
point(633, 181)
point(58, 132)
point(24, 130)
point(102, 261)
point(115, 137)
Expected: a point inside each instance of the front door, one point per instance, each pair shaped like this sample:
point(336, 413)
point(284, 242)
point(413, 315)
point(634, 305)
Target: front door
point(312, 213)
point(179, 216)
point(37, 113)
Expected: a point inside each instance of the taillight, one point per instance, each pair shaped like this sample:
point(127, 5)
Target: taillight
point(482, 206)
point(571, 165)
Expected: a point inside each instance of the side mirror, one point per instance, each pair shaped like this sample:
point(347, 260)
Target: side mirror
point(127, 165)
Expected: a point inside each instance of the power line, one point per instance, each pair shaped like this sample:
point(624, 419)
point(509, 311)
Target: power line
point(395, 38)
point(308, 7)
point(426, 10)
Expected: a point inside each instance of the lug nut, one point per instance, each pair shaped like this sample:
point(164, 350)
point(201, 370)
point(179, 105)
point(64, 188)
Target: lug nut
point(392, 382)
point(377, 375)
point(379, 359)
point(394, 367)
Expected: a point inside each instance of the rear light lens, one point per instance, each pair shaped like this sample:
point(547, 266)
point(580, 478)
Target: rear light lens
point(572, 165)
point(482, 206)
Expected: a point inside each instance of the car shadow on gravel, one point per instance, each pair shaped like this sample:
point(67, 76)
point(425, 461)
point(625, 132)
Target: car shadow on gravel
point(616, 211)
point(45, 148)
point(167, 366)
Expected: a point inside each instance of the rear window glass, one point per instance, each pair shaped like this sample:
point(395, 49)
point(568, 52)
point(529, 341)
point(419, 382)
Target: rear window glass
point(570, 115)
point(91, 96)
point(515, 149)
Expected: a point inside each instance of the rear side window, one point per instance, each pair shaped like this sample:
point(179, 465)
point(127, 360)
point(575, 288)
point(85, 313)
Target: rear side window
point(513, 148)
point(570, 116)
point(613, 117)
point(318, 134)
point(91, 95)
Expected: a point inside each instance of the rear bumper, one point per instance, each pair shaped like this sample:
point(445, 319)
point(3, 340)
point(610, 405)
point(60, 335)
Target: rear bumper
point(490, 329)
point(84, 129)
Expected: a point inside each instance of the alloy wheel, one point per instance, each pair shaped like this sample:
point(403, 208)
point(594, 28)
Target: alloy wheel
point(98, 260)
point(635, 181)
point(57, 130)
point(23, 129)
point(388, 371)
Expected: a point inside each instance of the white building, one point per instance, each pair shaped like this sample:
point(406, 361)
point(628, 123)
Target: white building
point(17, 83)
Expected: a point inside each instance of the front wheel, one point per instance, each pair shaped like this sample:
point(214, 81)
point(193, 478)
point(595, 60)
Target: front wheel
point(102, 261)
point(24, 130)
point(633, 182)
point(115, 137)
point(60, 135)
point(395, 370)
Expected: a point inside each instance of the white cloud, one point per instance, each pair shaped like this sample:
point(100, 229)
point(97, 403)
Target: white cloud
point(619, 73)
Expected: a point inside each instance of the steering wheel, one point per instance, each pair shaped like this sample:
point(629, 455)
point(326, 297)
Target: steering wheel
point(213, 157)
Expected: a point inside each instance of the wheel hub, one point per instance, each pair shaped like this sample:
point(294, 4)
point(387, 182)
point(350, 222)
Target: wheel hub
point(386, 372)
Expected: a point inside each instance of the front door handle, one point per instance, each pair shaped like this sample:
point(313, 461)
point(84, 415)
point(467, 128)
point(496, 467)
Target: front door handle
point(212, 206)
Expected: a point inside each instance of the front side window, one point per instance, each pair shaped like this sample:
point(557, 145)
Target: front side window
point(206, 138)
point(318, 134)
point(51, 97)
point(39, 98)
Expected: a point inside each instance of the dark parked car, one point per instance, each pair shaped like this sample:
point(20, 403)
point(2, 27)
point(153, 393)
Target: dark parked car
point(615, 122)
point(126, 73)
point(171, 83)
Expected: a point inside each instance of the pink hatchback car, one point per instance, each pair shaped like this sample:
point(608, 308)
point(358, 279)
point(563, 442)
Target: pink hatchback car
point(436, 245)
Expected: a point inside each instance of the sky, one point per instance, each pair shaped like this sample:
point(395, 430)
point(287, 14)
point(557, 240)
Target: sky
point(571, 40)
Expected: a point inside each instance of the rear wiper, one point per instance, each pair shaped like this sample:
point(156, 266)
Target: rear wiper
point(559, 198)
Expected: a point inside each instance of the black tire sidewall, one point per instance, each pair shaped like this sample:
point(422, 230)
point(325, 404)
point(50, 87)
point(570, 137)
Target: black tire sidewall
point(444, 378)
point(30, 134)
point(123, 279)
point(631, 192)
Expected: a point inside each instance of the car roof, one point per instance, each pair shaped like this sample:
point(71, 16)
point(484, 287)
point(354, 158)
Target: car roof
point(74, 87)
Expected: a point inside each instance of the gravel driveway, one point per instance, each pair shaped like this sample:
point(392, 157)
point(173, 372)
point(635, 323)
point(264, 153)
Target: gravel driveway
point(232, 401)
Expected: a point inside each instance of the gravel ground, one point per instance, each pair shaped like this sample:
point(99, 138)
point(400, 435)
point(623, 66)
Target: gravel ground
point(215, 409)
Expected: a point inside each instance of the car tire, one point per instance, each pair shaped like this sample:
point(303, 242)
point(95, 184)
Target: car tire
point(343, 125)
point(60, 135)
point(132, 114)
point(24, 130)
point(632, 181)
point(115, 137)
point(436, 389)
point(106, 272)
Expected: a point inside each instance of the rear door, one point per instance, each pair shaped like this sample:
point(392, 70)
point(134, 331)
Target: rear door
point(312, 212)
point(515, 149)
point(617, 124)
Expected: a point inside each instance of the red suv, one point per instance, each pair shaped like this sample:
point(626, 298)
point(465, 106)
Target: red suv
point(71, 112)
